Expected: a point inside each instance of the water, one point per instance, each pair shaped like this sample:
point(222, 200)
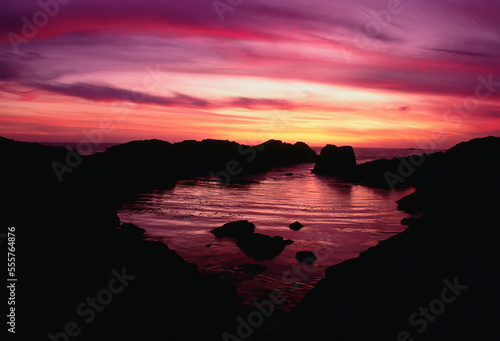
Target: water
point(341, 220)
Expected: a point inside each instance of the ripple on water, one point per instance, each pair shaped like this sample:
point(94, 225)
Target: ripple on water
point(340, 220)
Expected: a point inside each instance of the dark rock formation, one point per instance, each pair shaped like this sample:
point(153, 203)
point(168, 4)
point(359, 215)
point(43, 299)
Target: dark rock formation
point(305, 257)
point(228, 160)
point(399, 172)
point(255, 245)
point(424, 283)
point(409, 221)
point(132, 230)
point(73, 240)
point(336, 161)
point(277, 153)
point(296, 226)
point(260, 247)
point(236, 229)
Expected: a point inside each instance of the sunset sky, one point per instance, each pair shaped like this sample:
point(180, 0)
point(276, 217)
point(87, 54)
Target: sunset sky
point(382, 73)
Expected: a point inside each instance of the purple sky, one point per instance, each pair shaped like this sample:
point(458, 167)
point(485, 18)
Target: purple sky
point(368, 73)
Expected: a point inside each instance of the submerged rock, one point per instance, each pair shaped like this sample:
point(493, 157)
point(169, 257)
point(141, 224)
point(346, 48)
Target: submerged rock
point(236, 229)
point(305, 257)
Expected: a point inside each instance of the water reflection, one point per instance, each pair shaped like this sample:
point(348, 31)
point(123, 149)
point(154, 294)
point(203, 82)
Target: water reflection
point(340, 219)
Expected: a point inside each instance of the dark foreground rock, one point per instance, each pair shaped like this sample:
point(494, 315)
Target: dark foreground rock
point(74, 252)
point(63, 207)
point(438, 280)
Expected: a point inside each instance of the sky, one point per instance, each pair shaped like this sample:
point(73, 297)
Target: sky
point(368, 73)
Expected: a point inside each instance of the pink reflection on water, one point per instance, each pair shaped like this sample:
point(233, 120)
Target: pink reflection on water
point(341, 220)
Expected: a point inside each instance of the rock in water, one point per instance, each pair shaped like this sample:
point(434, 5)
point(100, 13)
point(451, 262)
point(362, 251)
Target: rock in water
point(296, 226)
point(236, 229)
point(305, 257)
point(337, 161)
point(259, 246)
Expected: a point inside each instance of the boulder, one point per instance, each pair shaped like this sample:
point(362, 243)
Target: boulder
point(305, 257)
point(336, 161)
point(296, 226)
point(236, 229)
point(259, 246)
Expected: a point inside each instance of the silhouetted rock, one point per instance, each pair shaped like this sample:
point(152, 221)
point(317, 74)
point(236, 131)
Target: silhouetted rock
point(304, 153)
point(409, 221)
point(72, 237)
point(336, 161)
point(296, 226)
point(278, 153)
point(399, 172)
point(396, 290)
point(236, 229)
point(260, 246)
point(464, 172)
point(305, 257)
point(132, 230)
point(228, 160)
